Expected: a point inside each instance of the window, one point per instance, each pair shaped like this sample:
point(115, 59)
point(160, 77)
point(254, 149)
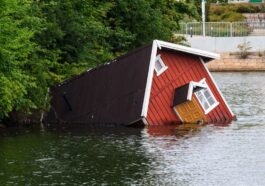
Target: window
point(206, 99)
point(160, 66)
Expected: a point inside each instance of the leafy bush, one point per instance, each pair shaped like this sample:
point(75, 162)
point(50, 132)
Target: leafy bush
point(246, 8)
point(232, 17)
point(234, 12)
point(262, 8)
point(218, 9)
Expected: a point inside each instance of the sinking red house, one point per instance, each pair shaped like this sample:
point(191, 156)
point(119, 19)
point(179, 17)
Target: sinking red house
point(161, 83)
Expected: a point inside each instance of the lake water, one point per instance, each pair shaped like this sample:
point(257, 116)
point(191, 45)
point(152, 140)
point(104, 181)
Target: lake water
point(184, 155)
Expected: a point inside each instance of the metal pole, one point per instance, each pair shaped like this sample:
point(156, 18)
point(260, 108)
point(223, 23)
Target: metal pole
point(231, 29)
point(203, 17)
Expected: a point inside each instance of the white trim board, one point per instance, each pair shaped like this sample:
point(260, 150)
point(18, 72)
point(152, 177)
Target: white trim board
point(149, 80)
point(193, 85)
point(215, 84)
point(190, 91)
point(201, 53)
point(176, 112)
point(144, 121)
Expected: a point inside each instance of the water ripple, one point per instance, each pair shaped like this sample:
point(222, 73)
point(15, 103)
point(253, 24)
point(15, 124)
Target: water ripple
point(185, 155)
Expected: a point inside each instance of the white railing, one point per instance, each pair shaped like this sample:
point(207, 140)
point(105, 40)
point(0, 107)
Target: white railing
point(223, 29)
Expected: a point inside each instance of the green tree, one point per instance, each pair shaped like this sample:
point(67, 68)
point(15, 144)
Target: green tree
point(15, 49)
point(147, 20)
point(46, 41)
point(24, 74)
point(197, 4)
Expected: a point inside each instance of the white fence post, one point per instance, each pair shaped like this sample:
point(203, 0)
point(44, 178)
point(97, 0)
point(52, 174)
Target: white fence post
point(203, 18)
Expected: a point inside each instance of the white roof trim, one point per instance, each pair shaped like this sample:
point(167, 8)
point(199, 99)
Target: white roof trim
point(149, 79)
point(199, 84)
point(202, 53)
point(193, 85)
point(189, 96)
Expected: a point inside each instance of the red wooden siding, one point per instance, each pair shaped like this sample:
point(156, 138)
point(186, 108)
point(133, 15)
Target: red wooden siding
point(182, 68)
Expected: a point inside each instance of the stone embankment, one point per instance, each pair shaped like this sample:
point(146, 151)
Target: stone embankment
point(232, 62)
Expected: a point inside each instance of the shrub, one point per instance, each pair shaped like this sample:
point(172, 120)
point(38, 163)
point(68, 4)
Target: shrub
point(234, 12)
point(217, 10)
point(232, 17)
point(244, 49)
point(246, 8)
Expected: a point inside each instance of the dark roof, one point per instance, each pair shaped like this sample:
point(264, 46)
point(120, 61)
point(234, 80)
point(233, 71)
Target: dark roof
point(181, 94)
point(110, 93)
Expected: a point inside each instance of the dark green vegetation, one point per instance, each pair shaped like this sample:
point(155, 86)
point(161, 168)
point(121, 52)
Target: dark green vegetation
point(220, 10)
point(233, 12)
point(44, 42)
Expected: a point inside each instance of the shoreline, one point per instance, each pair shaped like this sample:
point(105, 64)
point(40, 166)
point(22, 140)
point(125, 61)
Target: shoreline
point(232, 63)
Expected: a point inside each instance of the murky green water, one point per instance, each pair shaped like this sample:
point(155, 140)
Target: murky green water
point(187, 155)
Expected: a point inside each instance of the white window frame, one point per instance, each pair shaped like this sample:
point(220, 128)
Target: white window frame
point(211, 107)
point(164, 67)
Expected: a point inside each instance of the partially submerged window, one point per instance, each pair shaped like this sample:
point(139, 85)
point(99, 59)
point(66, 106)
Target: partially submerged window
point(206, 98)
point(160, 66)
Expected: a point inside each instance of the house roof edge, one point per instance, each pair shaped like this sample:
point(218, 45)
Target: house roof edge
point(176, 47)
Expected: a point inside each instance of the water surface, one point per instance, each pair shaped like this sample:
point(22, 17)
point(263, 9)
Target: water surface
point(187, 155)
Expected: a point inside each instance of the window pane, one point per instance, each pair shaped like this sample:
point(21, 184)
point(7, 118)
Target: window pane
point(207, 93)
point(158, 65)
point(203, 101)
point(198, 93)
point(201, 98)
point(211, 101)
point(205, 105)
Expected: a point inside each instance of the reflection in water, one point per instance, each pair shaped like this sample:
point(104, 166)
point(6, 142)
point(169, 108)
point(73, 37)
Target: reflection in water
point(172, 130)
point(179, 131)
point(184, 155)
point(73, 157)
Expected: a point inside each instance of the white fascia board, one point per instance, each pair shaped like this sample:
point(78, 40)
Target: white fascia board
point(199, 84)
point(144, 121)
point(202, 53)
point(215, 84)
point(149, 79)
point(190, 91)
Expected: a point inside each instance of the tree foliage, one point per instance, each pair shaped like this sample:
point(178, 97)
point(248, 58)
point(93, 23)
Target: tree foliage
point(46, 41)
point(19, 64)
